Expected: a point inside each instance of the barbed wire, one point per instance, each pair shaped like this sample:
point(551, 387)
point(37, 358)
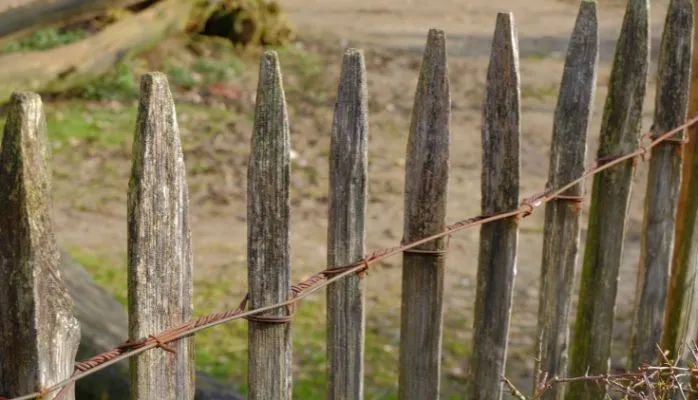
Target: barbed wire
point(316, 282)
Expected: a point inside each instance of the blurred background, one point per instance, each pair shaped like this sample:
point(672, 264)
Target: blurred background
point(85, 58)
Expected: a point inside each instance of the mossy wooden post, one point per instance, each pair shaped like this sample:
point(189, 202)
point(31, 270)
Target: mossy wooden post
point(620, 131)
point(664, 178)
point(501, 129)
point(345, 231)
point(680, 302)
point(159, 247)
point(688, 190)
point(562, 216)
point(39, 334)
point(426, 191)
point(268, 252)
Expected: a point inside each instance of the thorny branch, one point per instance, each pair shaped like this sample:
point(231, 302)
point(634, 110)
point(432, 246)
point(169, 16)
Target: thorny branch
point(650, 382)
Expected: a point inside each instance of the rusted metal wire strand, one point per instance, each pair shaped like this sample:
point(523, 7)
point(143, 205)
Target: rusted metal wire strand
point(324, 278)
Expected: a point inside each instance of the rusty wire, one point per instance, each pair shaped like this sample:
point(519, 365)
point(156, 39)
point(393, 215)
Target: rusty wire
point(316, 282)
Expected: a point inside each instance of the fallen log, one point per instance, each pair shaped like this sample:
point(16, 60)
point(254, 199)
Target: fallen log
point(104, 325)
point(19, 16)
point(69, 66)
point(72, 65)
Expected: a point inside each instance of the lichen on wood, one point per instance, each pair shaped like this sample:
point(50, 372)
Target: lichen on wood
point(39, 335)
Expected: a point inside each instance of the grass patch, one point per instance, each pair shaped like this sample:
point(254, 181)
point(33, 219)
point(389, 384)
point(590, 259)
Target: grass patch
point(109, 276)
point(107, 126)
point(221, 351)
point(72, 122)
point(216, 70)
point(43, 40)
point(381, 359)
point(539, 92)
point(204, 71)
point(304, 63)
point(182, 77)
point(119, 84)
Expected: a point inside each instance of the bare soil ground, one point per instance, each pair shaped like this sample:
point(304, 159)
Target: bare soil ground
point(392, 32)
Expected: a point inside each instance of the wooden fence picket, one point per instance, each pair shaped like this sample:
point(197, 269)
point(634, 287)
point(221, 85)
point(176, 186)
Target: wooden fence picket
point(501, 129)
point(620, 132)
point(160, 265)
point(426, 191)
point(39, 334)
point(663, 181)
point(268, 250)
point(562, 216)
point(346, 230)
point(38, 345)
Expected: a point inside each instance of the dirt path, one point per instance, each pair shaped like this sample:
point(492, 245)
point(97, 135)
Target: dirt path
point(543, 25)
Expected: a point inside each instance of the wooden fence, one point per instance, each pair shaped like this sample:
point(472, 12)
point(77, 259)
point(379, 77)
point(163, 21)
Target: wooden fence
point(39, 340)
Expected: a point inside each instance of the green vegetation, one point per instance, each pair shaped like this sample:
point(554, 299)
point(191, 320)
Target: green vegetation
point(222, 351)
point(73, 122)
point(111, 277)
point(204, 71)
point(44, 39)
point(539, 92)
point(306, 64)
point(106, 126)
point(120, 84)
point(218, 70)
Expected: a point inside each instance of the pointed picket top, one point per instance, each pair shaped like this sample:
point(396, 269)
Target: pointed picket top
point(39, 350)
point(160, 267)
point(562, 217)
point(501, 126)
point(429, 137)
point(501, 129)
point(268, 251)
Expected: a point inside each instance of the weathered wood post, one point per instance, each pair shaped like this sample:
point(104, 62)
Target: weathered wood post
point(426, 192)
point(39, 335)
point(160, 266)
point(688, 193)
point(620, 132)
point(268, 251)
point(663, 182)
point(345, 230)
point(501, 129)
point(562, 215)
